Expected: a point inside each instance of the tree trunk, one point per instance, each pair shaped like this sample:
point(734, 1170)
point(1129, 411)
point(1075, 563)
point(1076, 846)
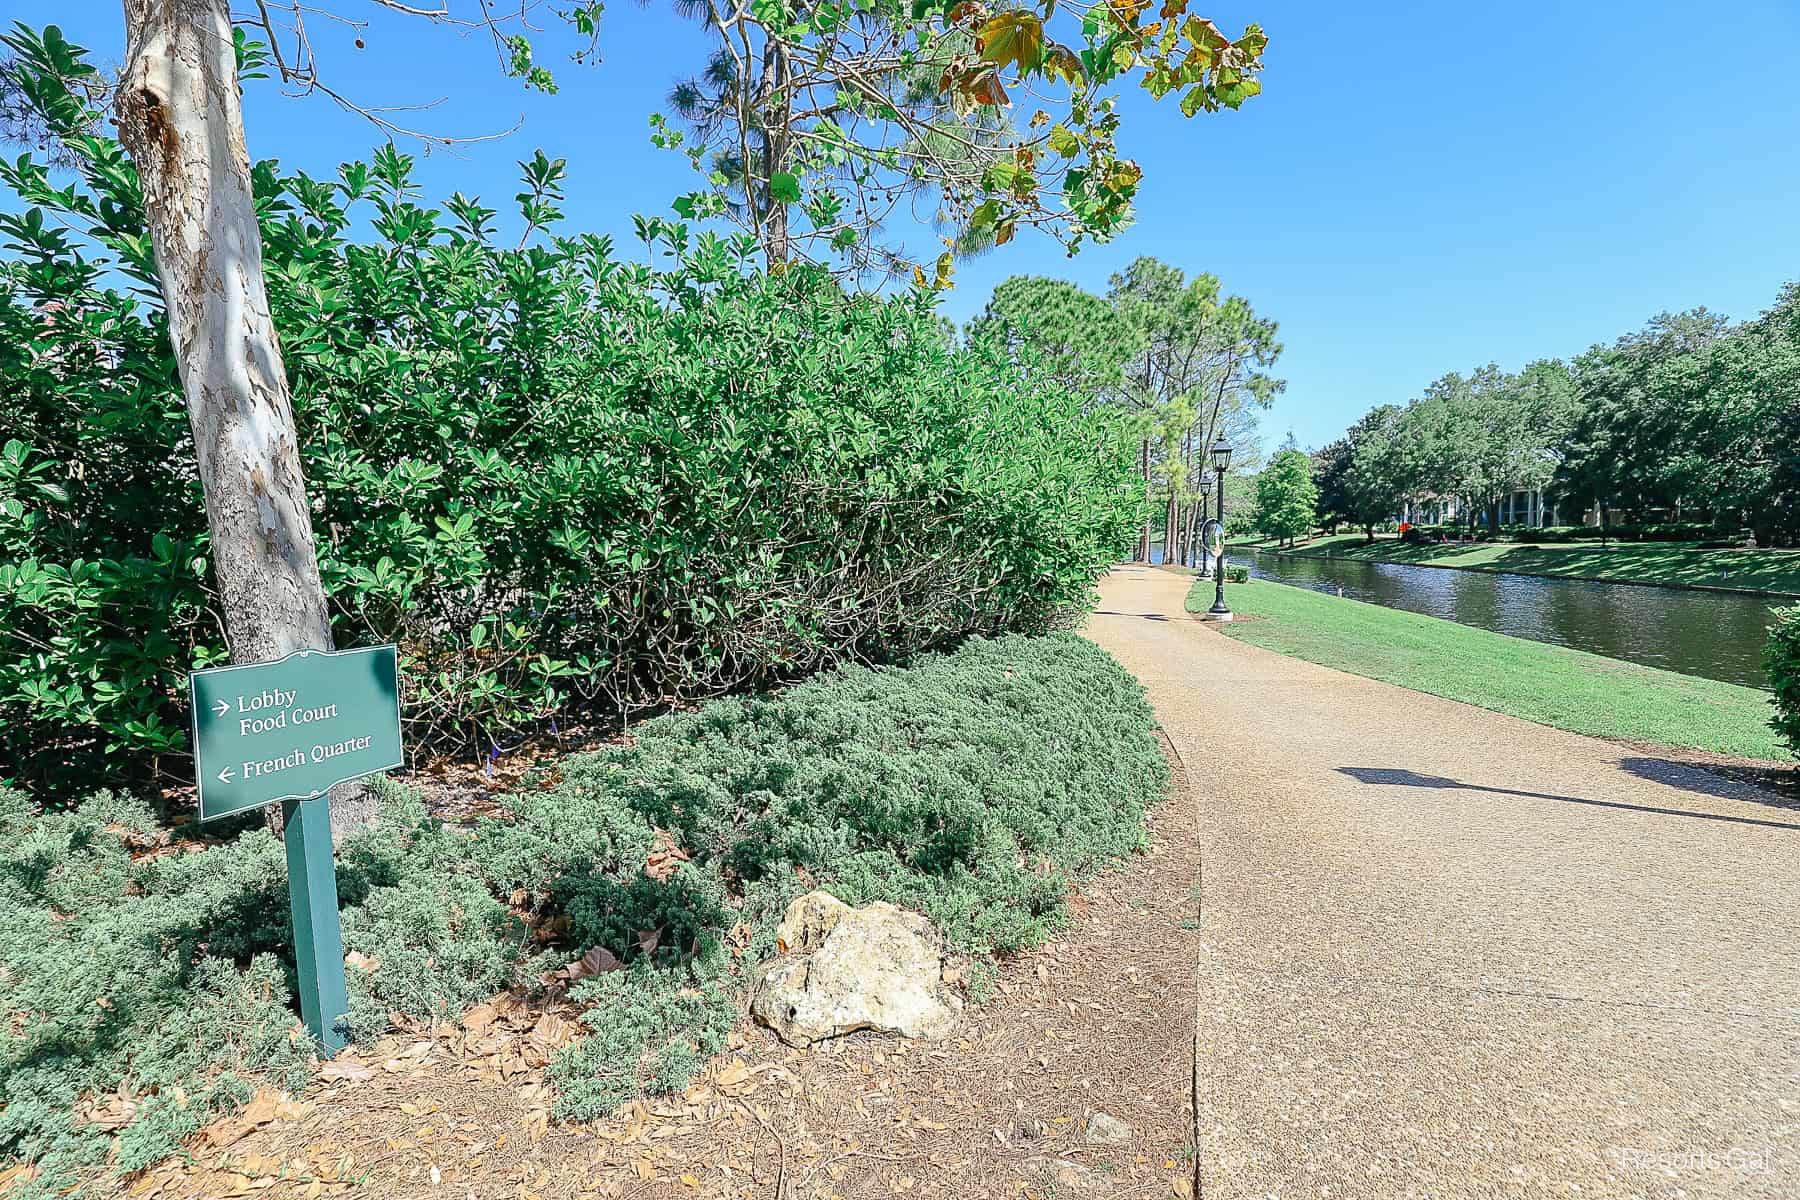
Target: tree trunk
point(1179, 525)
point(179, 117)
point(1144, 539)
point(1169, 526)
point(777, 140)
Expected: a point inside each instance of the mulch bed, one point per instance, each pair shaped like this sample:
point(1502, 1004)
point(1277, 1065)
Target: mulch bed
point(1099, 1020)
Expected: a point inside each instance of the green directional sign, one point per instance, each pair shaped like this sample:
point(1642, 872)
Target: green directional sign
point(292, 729)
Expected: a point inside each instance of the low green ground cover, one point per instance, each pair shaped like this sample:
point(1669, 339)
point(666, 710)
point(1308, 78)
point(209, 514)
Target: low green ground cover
point(1552, 685)
point(1643, 562)
point(973, 786)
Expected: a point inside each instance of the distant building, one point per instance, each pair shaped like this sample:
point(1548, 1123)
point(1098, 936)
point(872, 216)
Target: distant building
point(1531, 507)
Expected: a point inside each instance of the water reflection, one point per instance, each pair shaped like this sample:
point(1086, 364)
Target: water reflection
point(1715, 635)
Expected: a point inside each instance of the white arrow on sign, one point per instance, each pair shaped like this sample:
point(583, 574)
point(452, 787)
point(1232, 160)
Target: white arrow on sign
point(225, 775)
point(221, 708)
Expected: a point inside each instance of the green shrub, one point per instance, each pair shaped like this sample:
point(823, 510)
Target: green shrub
point(973, 786)
point(1781, 656)
point(556, 478)
point(649, 1031)
point(111, 974)
point(1619, 532)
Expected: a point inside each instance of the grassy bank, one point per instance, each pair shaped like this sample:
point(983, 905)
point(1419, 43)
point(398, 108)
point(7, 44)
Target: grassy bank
point(146, 985)
point(1552, 685)
point(1669, 563)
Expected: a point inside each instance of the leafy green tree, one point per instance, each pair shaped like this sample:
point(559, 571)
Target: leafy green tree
point(1199, 370)
point(800, 87)
point(1286, 497)
point(816, 123)
point(1370, 488)
point(1689, 415)
point(1055, 327)
point(1474, 438)
point(1184, 363)
point(1331, 471)
point(1514, 423)
point(1732, 408)
point(178, 108)
point(1630, 422)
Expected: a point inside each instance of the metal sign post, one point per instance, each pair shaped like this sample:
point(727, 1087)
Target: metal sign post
point(289, 731)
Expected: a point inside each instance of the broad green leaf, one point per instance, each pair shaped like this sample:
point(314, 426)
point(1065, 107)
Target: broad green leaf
point(784, 187)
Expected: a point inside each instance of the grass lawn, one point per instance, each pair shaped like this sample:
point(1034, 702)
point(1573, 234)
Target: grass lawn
point(1552, 685)
point(1645, 562)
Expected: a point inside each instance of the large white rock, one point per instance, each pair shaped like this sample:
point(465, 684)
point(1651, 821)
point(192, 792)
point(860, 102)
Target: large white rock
point(845, 969)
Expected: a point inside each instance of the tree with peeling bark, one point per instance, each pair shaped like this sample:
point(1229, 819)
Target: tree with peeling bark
point(181, 120)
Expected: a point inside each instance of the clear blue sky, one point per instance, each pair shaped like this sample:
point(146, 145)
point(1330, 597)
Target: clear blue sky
point(1421, 188)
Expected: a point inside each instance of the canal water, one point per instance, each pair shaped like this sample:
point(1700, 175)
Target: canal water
point(1718, 635)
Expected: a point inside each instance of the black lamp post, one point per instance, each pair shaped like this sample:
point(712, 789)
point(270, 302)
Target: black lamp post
point(1197, 537)
point(1221, 459)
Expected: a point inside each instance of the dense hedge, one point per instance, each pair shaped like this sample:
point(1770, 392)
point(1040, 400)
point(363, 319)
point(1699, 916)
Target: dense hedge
point(557, 478)
point(1781, 657)
point(1619, 532)
point(973, 786)
point(1561, 534)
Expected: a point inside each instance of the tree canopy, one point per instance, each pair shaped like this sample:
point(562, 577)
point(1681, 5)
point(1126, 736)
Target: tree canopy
point(816, 124)
point(1184, 362)
point(1691, 421)
point(1286, 496)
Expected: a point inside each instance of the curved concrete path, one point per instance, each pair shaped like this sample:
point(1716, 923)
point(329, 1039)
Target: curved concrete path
point(1449, 953)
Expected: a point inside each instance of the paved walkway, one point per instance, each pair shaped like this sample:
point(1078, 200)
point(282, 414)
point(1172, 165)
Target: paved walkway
point(1448, 953)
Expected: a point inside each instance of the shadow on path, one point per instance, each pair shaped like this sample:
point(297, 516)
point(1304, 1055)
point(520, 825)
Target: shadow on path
point(1108, 612)
point(1400, 777)
point(1773, 786)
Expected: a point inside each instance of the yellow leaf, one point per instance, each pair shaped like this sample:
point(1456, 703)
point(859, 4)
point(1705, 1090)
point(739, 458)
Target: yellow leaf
point(1060, 60)
point(1015, 37)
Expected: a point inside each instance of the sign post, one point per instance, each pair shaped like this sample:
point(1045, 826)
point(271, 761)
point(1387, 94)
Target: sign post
point(289, 731)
